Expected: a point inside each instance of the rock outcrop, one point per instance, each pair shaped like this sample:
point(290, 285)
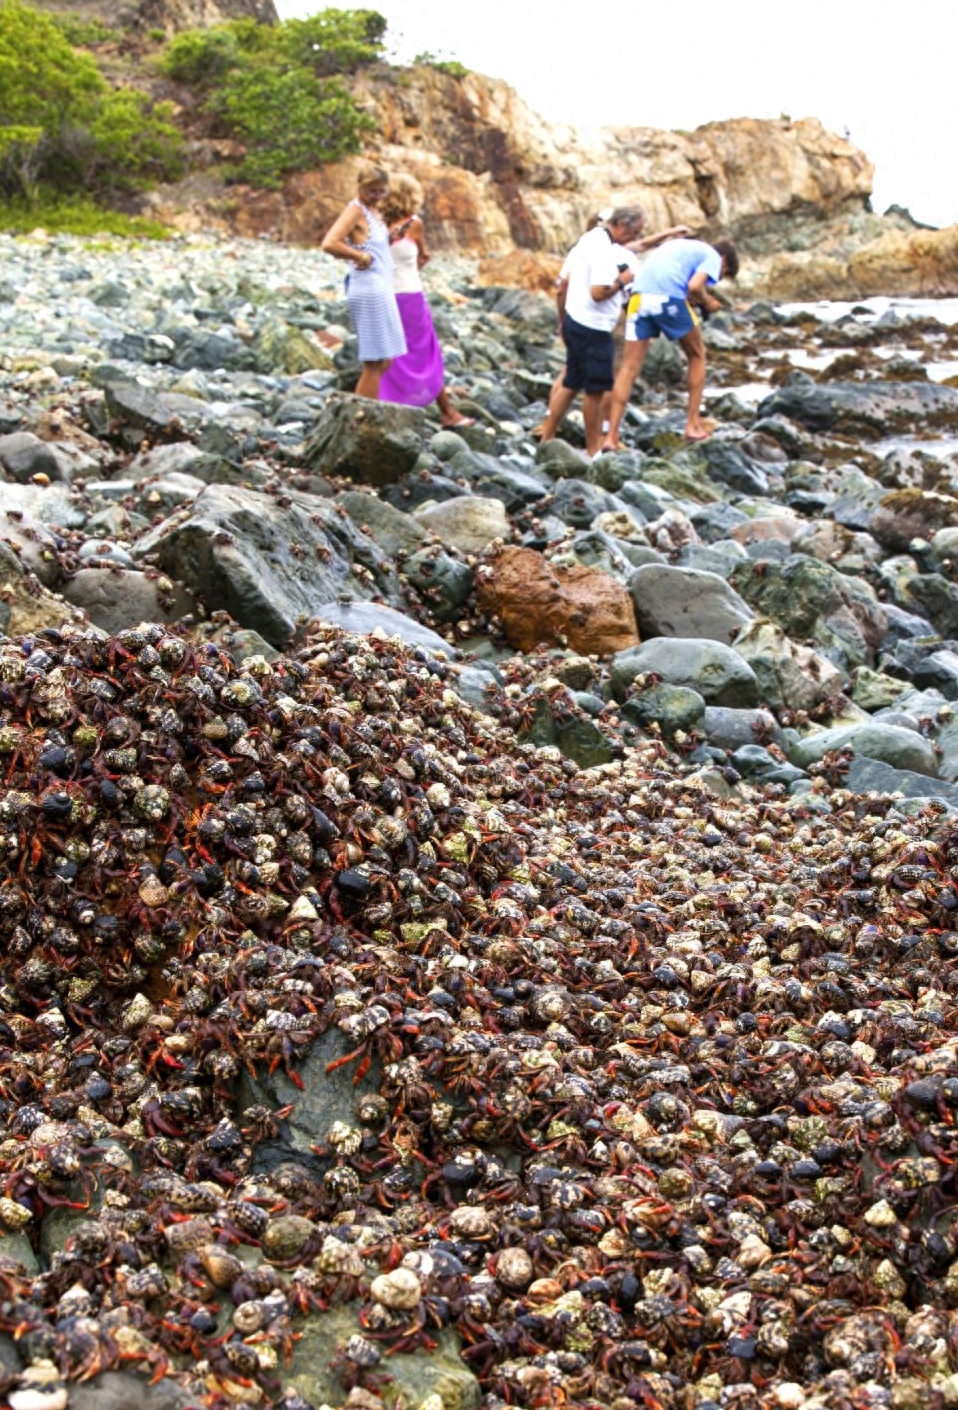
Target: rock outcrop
point(168, 15)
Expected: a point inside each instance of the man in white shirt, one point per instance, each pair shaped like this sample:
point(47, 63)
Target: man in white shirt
point(597, 270)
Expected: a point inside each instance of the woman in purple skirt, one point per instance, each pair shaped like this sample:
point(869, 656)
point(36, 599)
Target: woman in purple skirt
point(418, 377)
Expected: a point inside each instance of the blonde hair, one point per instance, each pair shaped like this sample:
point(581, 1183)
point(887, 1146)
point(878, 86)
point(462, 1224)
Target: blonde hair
point(369, 174)
point(405, 198)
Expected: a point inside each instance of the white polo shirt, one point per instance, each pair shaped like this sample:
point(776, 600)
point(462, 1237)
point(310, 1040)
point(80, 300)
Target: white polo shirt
point(594, 259)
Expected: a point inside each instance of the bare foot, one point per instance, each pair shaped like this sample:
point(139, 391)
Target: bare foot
point(699, 433)
point(459, 420)
point(609, 447)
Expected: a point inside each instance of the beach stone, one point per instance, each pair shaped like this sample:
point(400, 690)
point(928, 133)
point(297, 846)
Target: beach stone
point(163, 496)
point(477, 684)
point(753, 761)
point(873, 690)
point(800, 399)
point(899, 748)
point(910, 514)
point(867, 775)
point(268, 563)
point(372, 441)
point(367, 617)
point(494, 479)
point(812, 600)
point(124, 598)
point(718, 557)
point(832, 543)
point(789, 675)
point(32, 542)
point(543, 604)
point(558, 459)
point(394, 531)
point(595, 549)
point(904, 626)
point(279, 347)
point(857, 498)
point(124, 1390)
point(136, 410)
point(682, 479)
point(683, 602)
point(943, 551)
point(177, 457)
point(932, 596)
point(578, 504)
point(716, 521)
point(671, 707)
point(421, 487)
point(443, 581)
point(23, 455)
point(938, 671)
point(715, 671)
point(731, 729)
point(469, 522)
point(870, 408)
point(729, 465)
point(626, 524)
point(414, 1375)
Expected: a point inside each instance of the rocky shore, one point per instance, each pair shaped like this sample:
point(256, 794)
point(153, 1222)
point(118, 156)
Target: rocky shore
point(476, 921)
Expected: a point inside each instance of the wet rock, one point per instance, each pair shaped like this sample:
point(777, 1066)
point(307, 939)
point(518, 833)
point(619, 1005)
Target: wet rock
point(867, 775)
point(938, 671)
point(442, 581)
point(716, 521)
point(543, 604)
point(135, 410)
point(910, 514)
point(715, 671)
point(730, 729)
point(23, 455)
point(268, 561)
point(364, 617)
point(858, 497)
point(372, 441)
point(811, 600)
point(899, 748)
point(682, 602)
point(121, 598)
point(559, 460)
point(870, 408)
point(671, 707)
point(469, 523)
point(394, 531)
point(873, 690)
point(790, 676)
point(729, 465)
point(494, 479)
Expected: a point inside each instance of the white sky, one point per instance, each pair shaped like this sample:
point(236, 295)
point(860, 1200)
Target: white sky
point(882, 69)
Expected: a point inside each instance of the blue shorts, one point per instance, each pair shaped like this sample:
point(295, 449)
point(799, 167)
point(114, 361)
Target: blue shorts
point(648, 315)
point(589, 357)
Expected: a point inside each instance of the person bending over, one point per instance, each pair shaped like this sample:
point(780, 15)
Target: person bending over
point(672, 283)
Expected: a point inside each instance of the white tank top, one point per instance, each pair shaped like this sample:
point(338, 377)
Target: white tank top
point(405, 253)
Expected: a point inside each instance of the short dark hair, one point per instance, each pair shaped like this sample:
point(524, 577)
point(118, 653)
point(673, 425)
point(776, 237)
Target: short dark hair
point(729, 256)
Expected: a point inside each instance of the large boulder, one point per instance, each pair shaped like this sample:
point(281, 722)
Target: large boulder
point(718, 673)
point(542, 604)
point(270, 561)
point(685, 602)
point(863, 408)
point(372, 441)
point(813, 601)
point(365, 618)
point(394, 531)
point(900, 748)
point(468, 523)
point(117, 598)
point(909, 514)
point(789, 675)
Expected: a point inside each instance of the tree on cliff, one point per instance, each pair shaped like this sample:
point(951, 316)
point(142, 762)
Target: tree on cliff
point(62, 125)
point(276, 87)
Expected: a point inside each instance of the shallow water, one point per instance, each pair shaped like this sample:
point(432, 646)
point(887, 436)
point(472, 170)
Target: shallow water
point(945, 310)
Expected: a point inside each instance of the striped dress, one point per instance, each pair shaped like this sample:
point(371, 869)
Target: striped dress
point(372, 302)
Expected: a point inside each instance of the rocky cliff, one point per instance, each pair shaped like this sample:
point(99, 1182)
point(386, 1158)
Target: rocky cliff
point(167, 15)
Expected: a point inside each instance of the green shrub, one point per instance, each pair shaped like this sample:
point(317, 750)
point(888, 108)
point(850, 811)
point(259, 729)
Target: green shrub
point(74, 215)
point(62, 124)
point(85, 34)
point(287, 120)
point(450, 66)
point(275, 88)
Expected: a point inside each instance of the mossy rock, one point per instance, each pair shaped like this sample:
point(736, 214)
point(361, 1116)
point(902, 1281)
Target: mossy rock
point(683, 481)
point(415, 1375)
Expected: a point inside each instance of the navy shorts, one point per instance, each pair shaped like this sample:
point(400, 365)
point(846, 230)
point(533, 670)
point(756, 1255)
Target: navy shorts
point(588, 358)
point(648, 315)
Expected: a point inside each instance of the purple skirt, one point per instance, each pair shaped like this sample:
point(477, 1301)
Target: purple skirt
point(416, 378)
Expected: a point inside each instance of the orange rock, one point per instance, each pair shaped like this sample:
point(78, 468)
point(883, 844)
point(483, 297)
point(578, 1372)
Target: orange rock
point(522, 269)
point(542, 604)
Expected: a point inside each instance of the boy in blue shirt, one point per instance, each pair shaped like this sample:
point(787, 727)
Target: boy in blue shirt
point(673, 279)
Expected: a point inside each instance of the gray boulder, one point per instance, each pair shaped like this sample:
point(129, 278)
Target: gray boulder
point(683, 602)
point(32, 542)
point(372, 441)
point(811, 600)
point(867, 775)
point(719, 557)
point(134, 411)
point(872, 408)
point(366, 617)
point(469, 522)
point(731, 729)
point(671, 707)
point(716, 521)
point(444, 582)
point(790, 676)
point(858, 497)
point(717, 672)
point(177, 457)
point(559, 459)
point(899, 748)
point(23, 455)
point(394, 531)
point(269, 561)
point(495, 479)
point(122, 598)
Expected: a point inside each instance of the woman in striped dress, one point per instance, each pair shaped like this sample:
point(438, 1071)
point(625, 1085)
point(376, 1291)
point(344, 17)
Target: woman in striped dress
point(359, 235)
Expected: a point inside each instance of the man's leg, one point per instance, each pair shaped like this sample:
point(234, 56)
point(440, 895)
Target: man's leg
point(560, 399)
point(592, 416)
point(694, 348)
point(632, 360)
